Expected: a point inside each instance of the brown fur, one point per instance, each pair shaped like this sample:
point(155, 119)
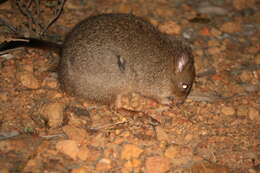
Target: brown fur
point(108, 55)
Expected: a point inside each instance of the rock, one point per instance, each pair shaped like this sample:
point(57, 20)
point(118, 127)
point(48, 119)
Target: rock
point(157, 164)
point(94, 155)
point(53, 113)
point(98, 140)
point(134, 163)
point(130, 151)
point(27, 67)
point(231, 27)
point(189, 137)
point(213, 43)
point(172, 152)
point(170, 27)
point(246, 76)
point(50, 83)
point(84, 153)
point(75, 133)
point(227, 110)
point(242, 4)
point(242, 111)
point(179, 155)
point(134, 101)
point(28, 80)
point(161, 134)
point(80, 170)
point(30, 165)
point(103, 165)
point(254, 114)
point(68, 147)
point(214, 50)
point(3, 96)
point(257, 59)
point(215, 32)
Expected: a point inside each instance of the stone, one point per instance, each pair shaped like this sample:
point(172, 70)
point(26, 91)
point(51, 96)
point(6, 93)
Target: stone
point(227, 110)
point(53, 113)
point(28, 80)
point(157, 164)
point(170, 27)
point(130, 151)
point(68, 147)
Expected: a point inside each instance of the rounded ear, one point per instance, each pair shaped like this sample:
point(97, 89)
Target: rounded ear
point(181, 62)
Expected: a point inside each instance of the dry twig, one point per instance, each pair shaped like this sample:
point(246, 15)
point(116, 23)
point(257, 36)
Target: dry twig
point(57, 15)
point(31, 9)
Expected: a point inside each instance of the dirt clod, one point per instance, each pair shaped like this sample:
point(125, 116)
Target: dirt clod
point(130, 151)
point(28, 80)
point(54, 114)
point(68, 147)
point(157, 164)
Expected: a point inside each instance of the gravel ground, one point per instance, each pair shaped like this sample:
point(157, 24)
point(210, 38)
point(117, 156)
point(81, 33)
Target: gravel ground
point(217, 129)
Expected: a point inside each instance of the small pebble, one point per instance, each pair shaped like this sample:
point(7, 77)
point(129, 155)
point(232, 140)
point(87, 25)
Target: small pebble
point(161, 134)
point(157, 164)
point(28, 80)
point(3, 96)
point(84, 153)
point(134, 163)
point(170, 27)
point(246, 76)
point(26, 67)
point(254, 114)
point(257, 59)
point(231, 27)
point(104, 165)
point(242, 4)
point(68, 147)
point(227, 110)
point(242, 111)
point(213, 43)
point(53, 113)
point(215, 32)
point(214, 50)
point(50, 83)
point(130, 151)
point(179, 155)
point(75, 133)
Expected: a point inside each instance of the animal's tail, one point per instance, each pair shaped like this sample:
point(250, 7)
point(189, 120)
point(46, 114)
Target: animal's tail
point(31, 43)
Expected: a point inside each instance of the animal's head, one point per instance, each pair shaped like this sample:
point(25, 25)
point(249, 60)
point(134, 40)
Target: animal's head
point(183, 73)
